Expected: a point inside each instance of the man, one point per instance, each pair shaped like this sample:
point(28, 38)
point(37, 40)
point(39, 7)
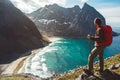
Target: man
point(97, 50)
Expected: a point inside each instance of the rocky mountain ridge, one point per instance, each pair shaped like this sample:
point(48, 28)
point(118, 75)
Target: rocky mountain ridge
point(54, 20)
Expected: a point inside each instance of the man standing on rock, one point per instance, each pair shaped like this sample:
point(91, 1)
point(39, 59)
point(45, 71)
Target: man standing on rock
point(98, 50)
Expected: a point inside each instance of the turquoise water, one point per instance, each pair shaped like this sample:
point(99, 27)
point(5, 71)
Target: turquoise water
point(64, 55)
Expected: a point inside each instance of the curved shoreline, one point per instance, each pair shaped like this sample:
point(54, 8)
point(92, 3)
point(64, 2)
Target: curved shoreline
point(13, 67)
point(70, 74)
point(10, 67)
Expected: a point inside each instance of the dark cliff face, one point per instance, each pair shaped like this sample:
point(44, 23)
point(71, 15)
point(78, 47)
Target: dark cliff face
point(17, 32)
point(66, 22)
point(86, 18)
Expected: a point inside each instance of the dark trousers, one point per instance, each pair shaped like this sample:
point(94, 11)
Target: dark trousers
point(96, 52)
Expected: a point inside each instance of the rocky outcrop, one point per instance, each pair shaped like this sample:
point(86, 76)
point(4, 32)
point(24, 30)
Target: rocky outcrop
point(106, 75)
point(54, 20)
point(17, 32)
point(115, 34)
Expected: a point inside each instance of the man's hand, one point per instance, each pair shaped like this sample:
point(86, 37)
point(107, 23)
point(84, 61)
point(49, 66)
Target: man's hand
point(88, 36)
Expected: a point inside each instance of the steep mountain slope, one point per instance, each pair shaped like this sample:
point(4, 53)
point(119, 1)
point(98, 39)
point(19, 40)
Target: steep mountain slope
point(17, 32)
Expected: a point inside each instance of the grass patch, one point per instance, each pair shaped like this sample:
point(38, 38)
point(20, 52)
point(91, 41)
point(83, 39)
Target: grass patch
point(15, 77)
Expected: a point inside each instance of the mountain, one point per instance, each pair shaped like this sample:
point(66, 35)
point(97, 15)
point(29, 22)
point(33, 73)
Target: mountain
point(17, 32)
point(54, 20)
point(115, 33)
point(86, 18)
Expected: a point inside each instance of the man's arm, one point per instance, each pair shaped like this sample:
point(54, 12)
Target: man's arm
point(99, 36)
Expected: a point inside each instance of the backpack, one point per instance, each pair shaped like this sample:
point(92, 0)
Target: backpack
point(107, 35)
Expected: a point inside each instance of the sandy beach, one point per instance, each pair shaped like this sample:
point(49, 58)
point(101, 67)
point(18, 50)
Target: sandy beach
point(3, 67)
point(52, 39)
point(10, 67)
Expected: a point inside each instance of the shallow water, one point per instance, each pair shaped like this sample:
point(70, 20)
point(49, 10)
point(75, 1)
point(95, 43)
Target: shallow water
point(64, 55)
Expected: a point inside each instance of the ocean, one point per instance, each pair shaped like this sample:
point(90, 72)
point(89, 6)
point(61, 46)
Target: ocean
point(64, 55)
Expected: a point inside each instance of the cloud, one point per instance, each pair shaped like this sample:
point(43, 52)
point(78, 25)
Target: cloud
point(83, 1)
point(114, 11)
point(112, 15)
point(62, 2)
point(28, 6)
point(113, 19)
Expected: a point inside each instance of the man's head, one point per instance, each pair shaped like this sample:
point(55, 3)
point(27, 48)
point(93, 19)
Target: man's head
point(97, 22)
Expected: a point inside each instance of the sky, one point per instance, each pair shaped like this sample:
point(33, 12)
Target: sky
point(110, 9)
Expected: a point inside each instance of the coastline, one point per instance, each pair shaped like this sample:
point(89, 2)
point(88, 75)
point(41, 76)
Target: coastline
point(70, 75)
point(10, 67)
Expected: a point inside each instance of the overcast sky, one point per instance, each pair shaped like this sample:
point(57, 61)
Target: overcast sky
point(110, 9)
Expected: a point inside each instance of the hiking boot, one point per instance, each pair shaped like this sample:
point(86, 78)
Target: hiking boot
point(88, 72)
